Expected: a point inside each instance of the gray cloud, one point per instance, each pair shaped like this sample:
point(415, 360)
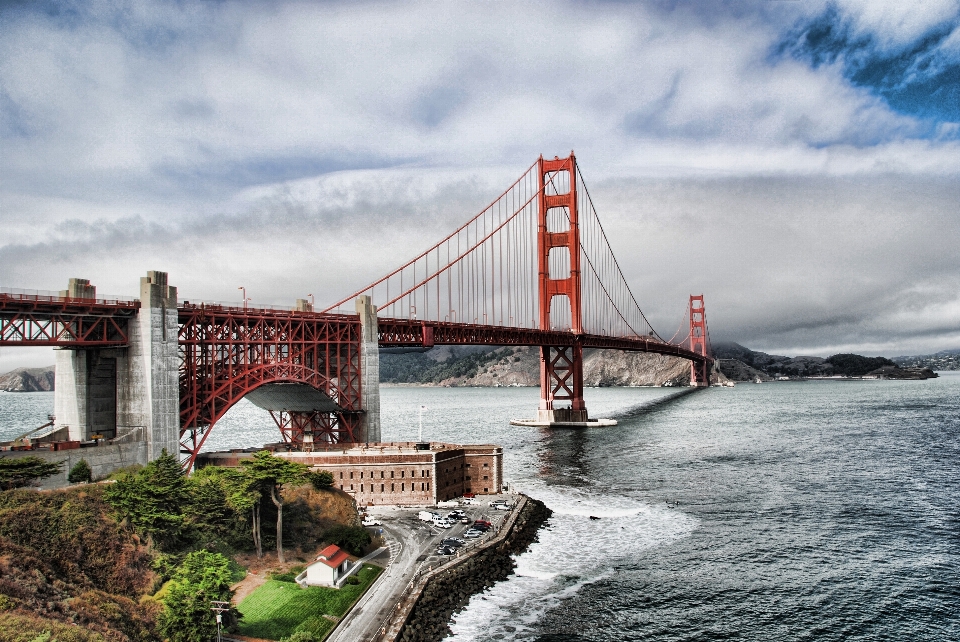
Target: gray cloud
point(310, 148)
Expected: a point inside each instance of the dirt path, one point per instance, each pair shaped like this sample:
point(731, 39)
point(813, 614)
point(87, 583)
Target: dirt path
point(248, 585)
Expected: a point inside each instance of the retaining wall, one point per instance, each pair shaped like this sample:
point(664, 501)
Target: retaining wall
point(446, 590)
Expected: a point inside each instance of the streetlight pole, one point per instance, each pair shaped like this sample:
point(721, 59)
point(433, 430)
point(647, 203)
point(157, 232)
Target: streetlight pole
point(244, 296)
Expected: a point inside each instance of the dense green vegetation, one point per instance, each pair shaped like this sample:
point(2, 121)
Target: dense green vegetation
point(17, 472)
point(854, 365)
point(75, 563)
point(353, 539)
point(417, 367)
point(202, 578)
point(279, 608)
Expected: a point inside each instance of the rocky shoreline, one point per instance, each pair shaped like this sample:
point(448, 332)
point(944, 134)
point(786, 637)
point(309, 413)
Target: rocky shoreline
point(449, 590)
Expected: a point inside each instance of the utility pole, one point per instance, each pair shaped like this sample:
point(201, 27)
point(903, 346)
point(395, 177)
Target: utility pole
point(218, 608)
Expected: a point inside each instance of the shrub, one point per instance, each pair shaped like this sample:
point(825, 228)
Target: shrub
point(80, 473)
point(288, 576)
point(320, 479)
point(353, 539)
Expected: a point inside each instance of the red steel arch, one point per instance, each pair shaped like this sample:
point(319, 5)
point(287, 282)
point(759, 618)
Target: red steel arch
point(226, 353)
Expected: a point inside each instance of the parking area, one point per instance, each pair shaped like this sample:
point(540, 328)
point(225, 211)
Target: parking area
point(413, 544)
point(460, 527)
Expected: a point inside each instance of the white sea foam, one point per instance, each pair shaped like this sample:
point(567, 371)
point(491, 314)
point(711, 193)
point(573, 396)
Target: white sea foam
point(572, 551)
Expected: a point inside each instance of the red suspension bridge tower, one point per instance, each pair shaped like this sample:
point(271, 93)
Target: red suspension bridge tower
point(558, 232)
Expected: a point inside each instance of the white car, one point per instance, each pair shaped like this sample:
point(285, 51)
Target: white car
point(369, 521)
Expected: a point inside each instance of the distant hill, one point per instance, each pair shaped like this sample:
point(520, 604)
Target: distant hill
point(28, 380)
point(943, 360)
point(512, 366)
point(742, 364)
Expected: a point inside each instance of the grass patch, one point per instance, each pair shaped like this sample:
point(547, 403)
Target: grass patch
point(278, 609)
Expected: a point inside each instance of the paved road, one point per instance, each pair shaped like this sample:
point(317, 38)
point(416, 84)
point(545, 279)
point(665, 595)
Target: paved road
point(417, 542)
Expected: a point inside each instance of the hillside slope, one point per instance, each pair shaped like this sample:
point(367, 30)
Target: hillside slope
point(28, 380)
point(521, 367)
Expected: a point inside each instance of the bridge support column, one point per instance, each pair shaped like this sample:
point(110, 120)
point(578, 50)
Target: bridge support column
point(85, 398)
point(369, 371)
point(561, 379)
point(148, 391)
point(699, 370)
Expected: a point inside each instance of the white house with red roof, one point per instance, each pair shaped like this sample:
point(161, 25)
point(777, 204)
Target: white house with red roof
point(331, 565)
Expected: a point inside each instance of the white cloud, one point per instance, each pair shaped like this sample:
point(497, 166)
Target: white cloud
point(300, 148)
point(895, 24)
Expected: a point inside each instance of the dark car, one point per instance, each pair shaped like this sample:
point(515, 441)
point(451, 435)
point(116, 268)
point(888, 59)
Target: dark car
point(456, 543)
point(446, 550)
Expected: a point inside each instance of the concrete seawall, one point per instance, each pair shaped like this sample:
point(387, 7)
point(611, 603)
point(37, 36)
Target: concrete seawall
point(102, 459)
point(437, 595)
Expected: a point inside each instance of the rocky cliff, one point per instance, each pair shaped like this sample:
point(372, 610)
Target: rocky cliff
point(521, 367)
point(28, 380)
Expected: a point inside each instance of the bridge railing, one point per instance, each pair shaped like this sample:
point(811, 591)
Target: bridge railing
point(47, 296)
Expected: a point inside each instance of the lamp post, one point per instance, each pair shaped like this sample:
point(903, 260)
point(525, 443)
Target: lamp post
point(244, 290)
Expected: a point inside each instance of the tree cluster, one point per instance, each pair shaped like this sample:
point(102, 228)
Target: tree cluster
point(855, 365)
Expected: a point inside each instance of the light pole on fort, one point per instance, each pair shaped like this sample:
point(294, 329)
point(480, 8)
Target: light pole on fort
point(244, 290)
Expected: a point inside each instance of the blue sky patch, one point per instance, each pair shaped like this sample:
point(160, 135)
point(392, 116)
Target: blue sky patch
point(920, 79)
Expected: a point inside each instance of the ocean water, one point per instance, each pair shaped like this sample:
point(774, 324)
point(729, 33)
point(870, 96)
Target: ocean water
point(784, 511)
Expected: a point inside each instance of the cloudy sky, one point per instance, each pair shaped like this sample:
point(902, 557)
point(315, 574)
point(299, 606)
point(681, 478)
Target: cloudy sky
point(795, 162)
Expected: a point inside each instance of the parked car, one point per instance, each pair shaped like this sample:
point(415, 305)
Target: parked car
point(370, 521)
point(427, 516)
point(446, 550)
point(502, 507)
point(448, 504)
point(472, 534)
point(469, 495)
point(442, 523)
point(483, 522)
point(452, 541)
point(465, 520)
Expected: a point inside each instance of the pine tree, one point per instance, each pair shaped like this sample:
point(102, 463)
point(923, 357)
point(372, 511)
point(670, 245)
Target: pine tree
point(80, 473)
point(16, 472)
point(269, 474)
point(152, 499)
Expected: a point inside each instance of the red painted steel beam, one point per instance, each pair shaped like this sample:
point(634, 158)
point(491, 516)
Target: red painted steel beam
point(36, 320)
point(395, 333)
point(226, 352)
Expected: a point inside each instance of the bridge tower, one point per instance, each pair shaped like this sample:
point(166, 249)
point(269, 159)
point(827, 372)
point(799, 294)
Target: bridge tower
point(699, 372)
point(558, 233)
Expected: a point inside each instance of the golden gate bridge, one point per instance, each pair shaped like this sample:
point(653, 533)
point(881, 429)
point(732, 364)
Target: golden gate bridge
point(534, 268)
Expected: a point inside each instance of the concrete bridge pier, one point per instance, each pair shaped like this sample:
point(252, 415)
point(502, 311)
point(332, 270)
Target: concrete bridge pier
point(369, 371)
point(131, 392)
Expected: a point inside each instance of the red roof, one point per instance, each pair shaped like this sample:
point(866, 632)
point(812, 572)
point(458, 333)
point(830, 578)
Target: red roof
point(333, 556)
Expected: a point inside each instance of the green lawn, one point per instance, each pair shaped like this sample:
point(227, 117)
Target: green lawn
point(277, 609)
